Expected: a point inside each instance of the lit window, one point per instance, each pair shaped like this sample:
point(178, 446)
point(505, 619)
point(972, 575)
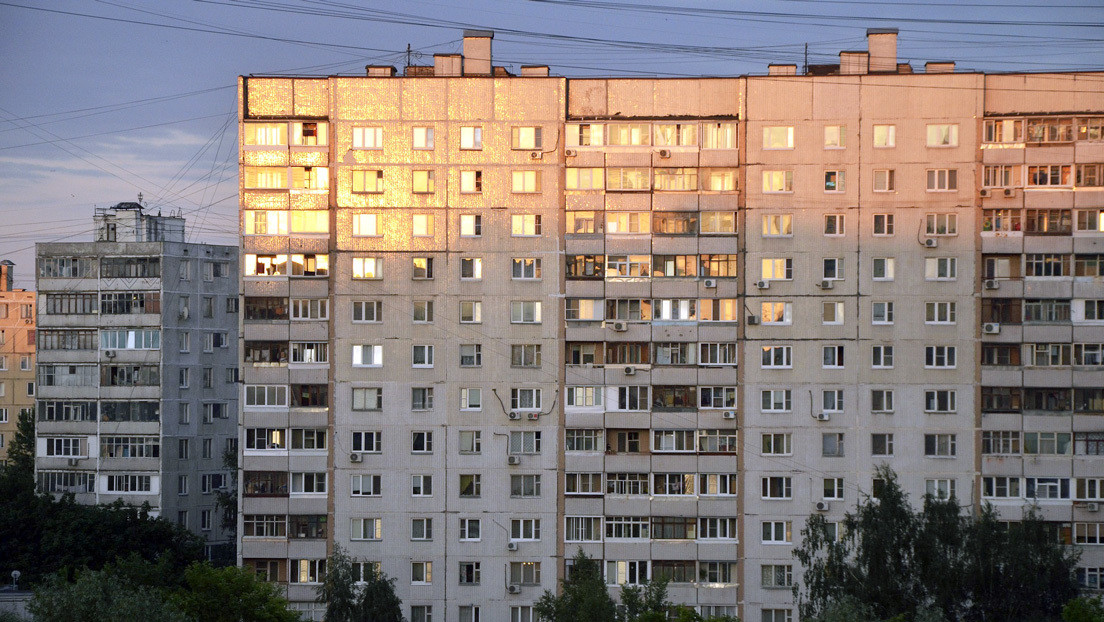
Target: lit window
point(525, 181)
point(367, 268)
point(471, 181)
point(471, 138)
point(366, 225)
point(367, 181)
point(885, 135)
point(422, 138)
point(367, 138)
point(422, 182)
point(777, 225)
point(777, 181)
point(423, 225)
point(943, 135)
point(526, 138)
point(778, 137)
point(471, 225)
point(835, 136)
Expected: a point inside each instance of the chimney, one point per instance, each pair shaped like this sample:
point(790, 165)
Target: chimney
point(854, 63)
point(941, 66)
point(6, 276)
point(447, 64)
point(882, 43)
point(379, 71)
point(781, 70)
point(534, 70)
point(477, 52)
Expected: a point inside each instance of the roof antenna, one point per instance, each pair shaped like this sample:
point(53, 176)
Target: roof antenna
point(806, 58)
point(407, 59)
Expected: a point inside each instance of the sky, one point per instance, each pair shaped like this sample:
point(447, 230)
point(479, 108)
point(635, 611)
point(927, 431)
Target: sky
point(104, 99)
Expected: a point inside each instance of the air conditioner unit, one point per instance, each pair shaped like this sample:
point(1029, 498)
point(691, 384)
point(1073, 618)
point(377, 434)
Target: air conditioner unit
point(826, 284)
point(1009, 192)
point(356, 458)
point(535, 155)
point(511, 546)
point(570, 153)
point(620, 326)
point(822, 506)
point(664, 153)
point(513, 414)
point(822, 416)
point(513, 588)
point(109, 354)
point(752, 320)
point(513, 460)
point(1092, 507)
point(710, 282)
point(931, 243)
point(630, 370)
point(990, 328)
point(992, 284)
point(985, 192)
point(74, 461)
point(729, 414)
point(183, 314)
point(534, 416)
point(762, 284)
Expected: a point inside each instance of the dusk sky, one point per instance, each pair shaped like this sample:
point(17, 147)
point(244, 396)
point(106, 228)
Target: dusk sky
point(102, 100)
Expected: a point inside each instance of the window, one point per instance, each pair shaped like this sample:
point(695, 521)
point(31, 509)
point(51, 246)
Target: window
point(940, 268)
point(471, 355)
point(942, 180)
point(882, 357)
point(366, 529)
point(677, 179)
point(943, 135)
point(525, 355)
point(422, 225)
point(780, 269)
point(777, 225)
point(422, 137)
point(778, 137)
point(777, 488)
point(525, 399)
point(525, 181)
point(421, 485)
point(833, 268)
point(582, 440)
point(525, 138)
point(777, 444)
point(367, 311)
point(367, 398)
point(777, 357)
point(832, 357)
point(881, 400)
point(833, 224)
point(420, 573)
point(776, 313)
point(470, 485)
point(881, 445)
point(941, 224)
point(525, 225)
point(308, 483)
point(885, 135)
point(471, 138)
point(366, 182)
point(367, 355)
point(422, 356)
point(832, 312)
point(831, 444)
point(777, 532)
point(367, 267)
point(525, 485)
point(471, 225)
point(421, 398)
point(471, 398)
point(833, 489)
point(471, 268)
point(939, 445)
point(718, 136)
point(471, 182)
point(939, 357)
point(367, 138)
point(939, 312)
point(776, 401)
point(884, 180)
point(368, 442)
point(939, 401)
point(422, 182)
point(833, 181)
point(421, 268)
point(471, 442)
point(777, 181)
point(585, 179)
point(883, 269)
point(881, 313)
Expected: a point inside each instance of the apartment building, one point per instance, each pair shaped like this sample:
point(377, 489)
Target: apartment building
point(17, 352)
point(138, 371)
point(503, 317)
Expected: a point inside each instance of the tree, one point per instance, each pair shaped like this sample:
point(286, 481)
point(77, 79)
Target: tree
point(231, 594)
point(933, 565)
point(583, 596)
point(647, 603)
point(1083, 610)
point(100, 595)
point(372, 601)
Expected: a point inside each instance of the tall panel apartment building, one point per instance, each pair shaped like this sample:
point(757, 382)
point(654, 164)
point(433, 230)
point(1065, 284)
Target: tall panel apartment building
point(491, 319)
point(17, 353)
point(137, 369)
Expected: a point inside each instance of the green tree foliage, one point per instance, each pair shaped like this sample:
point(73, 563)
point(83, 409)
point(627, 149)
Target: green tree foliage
point(40, 535)
point(373, 600)
point(100, 595)
point(583, 597)
point(931, 566)
point(1083, 610)
point(231, 594)
point(645, 603)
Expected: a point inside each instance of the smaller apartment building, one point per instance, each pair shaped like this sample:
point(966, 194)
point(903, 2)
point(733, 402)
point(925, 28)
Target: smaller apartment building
point(17, 354)
point(138, 372)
